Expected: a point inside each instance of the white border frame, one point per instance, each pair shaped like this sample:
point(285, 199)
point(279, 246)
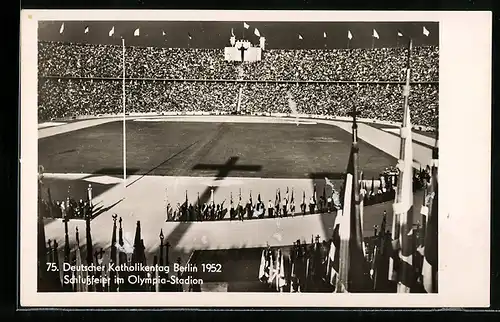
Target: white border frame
point(464, 106)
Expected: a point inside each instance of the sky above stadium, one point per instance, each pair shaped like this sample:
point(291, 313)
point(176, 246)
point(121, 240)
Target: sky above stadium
point(212, 34)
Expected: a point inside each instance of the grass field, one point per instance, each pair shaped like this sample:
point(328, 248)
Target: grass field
point(175, 148)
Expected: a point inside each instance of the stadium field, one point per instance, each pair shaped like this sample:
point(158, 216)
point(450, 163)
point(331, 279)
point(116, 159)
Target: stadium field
point(178, 149)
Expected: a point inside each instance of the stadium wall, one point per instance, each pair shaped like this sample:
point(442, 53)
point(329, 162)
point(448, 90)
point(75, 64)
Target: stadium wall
point(284, 115)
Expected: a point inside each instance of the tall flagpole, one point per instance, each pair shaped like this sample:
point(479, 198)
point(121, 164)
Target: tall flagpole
point(404, 226)
point(124, 128)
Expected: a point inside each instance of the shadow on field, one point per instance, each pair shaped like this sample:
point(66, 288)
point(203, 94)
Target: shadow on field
point(60, 187)
point(162, 163)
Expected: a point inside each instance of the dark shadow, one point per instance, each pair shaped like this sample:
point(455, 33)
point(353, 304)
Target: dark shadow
point(161, 164)
point(77, 188)
point(67, 151)
point(102, 210)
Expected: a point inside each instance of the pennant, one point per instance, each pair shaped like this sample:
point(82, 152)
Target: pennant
point(281, 280)
point(61, 30)
point(245, 25)
point(349, 35)
point(232, 32)
point(400, 34)
point(163, 33)
point(136, 33)
point(262, 269)
point(375, 34)
point(300, 37)
point(425, 31)
point(189, 36)
point(256, 32)
point(86, 30)
point(112, 31)
point(324, 35)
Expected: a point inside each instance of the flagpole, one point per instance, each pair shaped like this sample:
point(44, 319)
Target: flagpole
point(124, 127)
point(404, 226)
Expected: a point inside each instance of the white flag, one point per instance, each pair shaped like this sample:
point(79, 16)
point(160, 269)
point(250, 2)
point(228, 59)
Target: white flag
point(245, 25)
point(425, 31)
point(112, 31)
point(400, 34)
point(136, 32)
point(324, 35)
point(256, 32)
point(232, 32)
point(349, 35)
point(163, 33)
point(61, 30)
point(87, 30)
point(375, 34)
point(300, 37)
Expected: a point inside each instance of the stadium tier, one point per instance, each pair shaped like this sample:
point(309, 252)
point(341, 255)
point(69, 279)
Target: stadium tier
point(73, 82)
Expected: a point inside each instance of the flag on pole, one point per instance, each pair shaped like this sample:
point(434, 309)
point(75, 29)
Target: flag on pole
point(112, 31)
point(403, 206)
point(352, 262)
point(189, 36)
point(245, 25)
point(349, 35)
point(61, 30)
point(86, 30)
point(324, 35)
point(375, 34)
point(256, 32)
point(232, 32)
point(300, 37)
point(80, 287)
point(430, 262)
point(400, 34)
point(136, 32)
point(281, 278)
point(425, 31)
point(163, 33)
point(262, 269)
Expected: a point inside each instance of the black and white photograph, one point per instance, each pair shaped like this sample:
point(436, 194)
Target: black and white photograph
point(238, 156)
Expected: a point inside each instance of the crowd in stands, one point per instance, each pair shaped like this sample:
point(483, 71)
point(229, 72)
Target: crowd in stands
point(94, 97)
point(363, 64)
point(70, 81)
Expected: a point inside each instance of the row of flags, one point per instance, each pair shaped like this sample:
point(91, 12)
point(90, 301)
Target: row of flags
point(111, 32)
point(257, 33)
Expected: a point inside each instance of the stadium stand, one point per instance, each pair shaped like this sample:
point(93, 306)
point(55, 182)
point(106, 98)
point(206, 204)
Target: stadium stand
point(72, 82)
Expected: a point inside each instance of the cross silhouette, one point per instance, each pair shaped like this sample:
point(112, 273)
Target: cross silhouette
point(227, 167)
point(242, 49)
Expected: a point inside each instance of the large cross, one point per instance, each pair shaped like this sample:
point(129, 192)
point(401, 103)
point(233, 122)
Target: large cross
point(242, 49)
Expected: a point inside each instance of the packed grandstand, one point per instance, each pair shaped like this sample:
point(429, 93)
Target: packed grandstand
point(86, 80)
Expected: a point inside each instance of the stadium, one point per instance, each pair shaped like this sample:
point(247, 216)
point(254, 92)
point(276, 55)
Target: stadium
point(200, 130)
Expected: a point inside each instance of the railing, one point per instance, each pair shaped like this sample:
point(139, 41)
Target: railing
point(201, 80)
